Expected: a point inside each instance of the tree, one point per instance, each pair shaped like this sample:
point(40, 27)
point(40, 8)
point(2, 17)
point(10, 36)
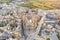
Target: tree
point(48, 39)
point(58, 36)
point(5, 1)
point(2, 24)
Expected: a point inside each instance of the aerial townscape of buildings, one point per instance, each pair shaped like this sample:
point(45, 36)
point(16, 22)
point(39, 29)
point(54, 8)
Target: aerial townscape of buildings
point(22, 23)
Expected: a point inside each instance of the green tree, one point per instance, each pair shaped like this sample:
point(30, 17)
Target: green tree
point(13, 25)
point(48, 39)
point(58, 36)
point(2, 24)
point(5, 1)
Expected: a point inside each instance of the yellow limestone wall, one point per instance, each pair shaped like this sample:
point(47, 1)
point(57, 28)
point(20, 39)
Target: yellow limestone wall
point(56, 3)
point(44, 4)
